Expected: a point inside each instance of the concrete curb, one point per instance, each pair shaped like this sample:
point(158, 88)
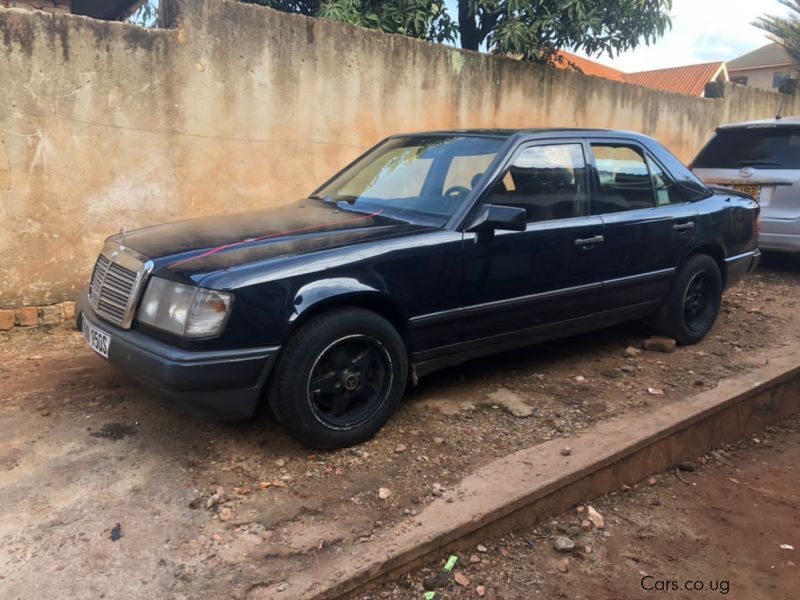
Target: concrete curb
point(519, 489)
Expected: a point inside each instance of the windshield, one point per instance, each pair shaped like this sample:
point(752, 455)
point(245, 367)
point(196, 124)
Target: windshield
point(763, 148)
point(426, 176)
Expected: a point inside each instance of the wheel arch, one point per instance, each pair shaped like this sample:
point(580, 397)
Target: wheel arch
point(315, 299)
point(716, 252)
point(365, 298)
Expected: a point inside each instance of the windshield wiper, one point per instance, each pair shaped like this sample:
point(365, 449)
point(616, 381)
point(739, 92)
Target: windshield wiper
point(754, 163)
point(325, 199)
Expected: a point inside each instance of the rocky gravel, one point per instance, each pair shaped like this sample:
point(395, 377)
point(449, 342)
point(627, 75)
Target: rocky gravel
point(725, 524)
point(231, 508)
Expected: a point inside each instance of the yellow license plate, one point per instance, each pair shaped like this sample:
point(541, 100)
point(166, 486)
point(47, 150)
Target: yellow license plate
point(750, 190)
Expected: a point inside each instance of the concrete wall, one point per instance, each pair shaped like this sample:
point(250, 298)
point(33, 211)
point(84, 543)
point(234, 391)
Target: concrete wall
point(54, 7)
point(105, 125)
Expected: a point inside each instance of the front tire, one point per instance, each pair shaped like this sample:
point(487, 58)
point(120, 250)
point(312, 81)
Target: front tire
point(339, 378)
point(694, 301)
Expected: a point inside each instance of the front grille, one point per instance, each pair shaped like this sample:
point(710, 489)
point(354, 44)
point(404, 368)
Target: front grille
point(114, 288)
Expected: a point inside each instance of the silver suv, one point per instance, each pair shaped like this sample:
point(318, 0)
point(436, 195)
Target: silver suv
point(762, 159)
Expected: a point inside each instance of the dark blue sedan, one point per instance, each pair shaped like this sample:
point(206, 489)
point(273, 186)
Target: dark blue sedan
point(429, 250)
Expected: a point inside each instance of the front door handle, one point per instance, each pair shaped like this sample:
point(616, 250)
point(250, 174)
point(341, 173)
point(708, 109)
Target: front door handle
point(683, 226)
point(598, 239)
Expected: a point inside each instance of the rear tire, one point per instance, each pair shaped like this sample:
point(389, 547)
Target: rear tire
point(339, 379)
point(691, 308)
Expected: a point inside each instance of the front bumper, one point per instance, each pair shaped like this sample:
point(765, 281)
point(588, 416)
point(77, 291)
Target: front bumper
point(222, 384)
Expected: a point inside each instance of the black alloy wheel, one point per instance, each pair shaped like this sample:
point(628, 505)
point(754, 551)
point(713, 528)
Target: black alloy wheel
point(698, 303)
point(694, 300)
point(339, 378)
point(350, 380)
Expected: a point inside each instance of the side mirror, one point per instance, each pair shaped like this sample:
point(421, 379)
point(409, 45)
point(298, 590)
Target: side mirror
point(493, 217)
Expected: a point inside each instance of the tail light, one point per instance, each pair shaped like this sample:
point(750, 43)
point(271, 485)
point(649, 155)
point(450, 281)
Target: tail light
point(690, 166)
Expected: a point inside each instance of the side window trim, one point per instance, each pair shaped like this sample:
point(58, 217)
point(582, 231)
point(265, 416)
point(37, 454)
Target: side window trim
point(666, 172)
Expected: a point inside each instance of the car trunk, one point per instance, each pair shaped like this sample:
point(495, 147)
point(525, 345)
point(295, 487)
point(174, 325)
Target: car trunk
point(762, 161)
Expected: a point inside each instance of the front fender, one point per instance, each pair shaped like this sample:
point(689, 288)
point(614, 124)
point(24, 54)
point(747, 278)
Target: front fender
point(316, 293)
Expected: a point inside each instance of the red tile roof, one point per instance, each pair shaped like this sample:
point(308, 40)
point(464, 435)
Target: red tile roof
point(690, 80)
point(588, 67)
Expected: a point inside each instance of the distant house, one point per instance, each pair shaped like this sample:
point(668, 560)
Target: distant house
point(109, 10)
point(567, 60)
point(766, 67)
point(690, 80)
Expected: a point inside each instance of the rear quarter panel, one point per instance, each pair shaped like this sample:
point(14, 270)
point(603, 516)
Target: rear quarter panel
point(728, 221)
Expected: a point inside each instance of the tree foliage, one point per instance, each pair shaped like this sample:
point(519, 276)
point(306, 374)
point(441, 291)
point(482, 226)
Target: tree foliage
point(784, 30)
point(423, 19)
point(147, 15)
point(533, 29)
point(537, 29)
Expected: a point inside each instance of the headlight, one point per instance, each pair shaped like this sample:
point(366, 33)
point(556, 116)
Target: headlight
point(184, 310)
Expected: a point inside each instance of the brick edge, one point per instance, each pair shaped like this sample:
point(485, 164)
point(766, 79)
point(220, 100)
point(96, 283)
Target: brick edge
point(45, 316)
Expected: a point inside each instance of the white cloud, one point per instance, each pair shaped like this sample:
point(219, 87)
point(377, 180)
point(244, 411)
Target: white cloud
point(702, 31)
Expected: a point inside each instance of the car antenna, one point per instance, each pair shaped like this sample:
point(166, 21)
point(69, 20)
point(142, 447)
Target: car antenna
point(788, 87)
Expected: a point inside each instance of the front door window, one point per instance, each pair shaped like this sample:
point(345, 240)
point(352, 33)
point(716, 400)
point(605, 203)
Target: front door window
point(549, 182)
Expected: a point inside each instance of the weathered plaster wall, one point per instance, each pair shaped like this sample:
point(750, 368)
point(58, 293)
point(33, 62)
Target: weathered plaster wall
point(105, 125)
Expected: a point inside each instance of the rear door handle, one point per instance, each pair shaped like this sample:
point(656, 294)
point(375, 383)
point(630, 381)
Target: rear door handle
point(598, 239)
point(683, 226)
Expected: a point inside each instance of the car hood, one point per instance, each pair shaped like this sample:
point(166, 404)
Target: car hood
point(219, 242)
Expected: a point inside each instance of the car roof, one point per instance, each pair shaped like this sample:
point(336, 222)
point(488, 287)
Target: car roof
point(541, 132)
point(782, 122)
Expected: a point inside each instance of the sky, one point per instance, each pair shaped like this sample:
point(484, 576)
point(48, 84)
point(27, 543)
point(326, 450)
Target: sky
point(702, 31)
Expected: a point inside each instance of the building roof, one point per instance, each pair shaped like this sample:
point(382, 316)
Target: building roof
point(793, 122)
point(588, 67)
point(690, 80)
point(771, 55)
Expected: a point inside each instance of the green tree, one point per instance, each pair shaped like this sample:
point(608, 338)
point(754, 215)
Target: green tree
point(533, 29)
point(784, 30)
point(423, 19)
point(147, 15)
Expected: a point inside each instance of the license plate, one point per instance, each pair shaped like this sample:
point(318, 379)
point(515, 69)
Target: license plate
point(750, 190)
point(98, 340)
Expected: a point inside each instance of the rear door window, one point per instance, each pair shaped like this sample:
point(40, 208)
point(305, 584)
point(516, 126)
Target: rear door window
point(759, 147)
point(624, 179)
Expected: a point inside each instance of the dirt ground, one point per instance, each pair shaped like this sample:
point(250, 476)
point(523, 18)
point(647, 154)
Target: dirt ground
point(727, 525)
point(110, 493)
